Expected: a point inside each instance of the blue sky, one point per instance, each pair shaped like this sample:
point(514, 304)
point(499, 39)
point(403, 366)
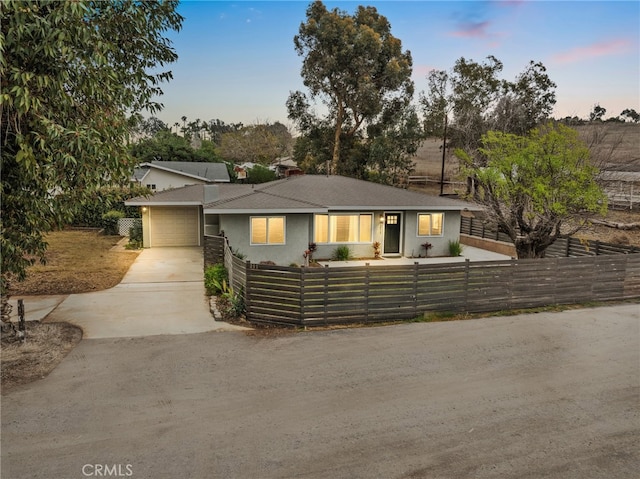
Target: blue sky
point(237, 60)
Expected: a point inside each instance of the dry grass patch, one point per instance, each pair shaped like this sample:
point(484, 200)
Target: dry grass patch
point(47, 344)
point(76, 262)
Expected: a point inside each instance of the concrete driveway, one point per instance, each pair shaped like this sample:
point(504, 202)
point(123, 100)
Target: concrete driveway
point(162, 293)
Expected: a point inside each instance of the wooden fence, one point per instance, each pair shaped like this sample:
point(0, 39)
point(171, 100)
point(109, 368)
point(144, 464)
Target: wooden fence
point(335, 295)
point(562, 247)
point(308, 296)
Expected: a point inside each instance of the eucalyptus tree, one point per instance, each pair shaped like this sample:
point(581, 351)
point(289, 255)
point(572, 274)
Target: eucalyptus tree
point(356, 68)
point(72, 74)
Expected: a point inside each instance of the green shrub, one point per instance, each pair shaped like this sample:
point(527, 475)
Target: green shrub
point(90, 211)
point(455, 248)
point(341, 253)
point(215, 278)
point(135, 235)
point(110, 221)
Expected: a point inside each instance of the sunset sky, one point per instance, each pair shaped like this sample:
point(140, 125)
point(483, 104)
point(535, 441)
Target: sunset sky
point(237, 60)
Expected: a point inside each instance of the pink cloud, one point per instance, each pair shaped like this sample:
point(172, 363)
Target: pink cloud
point(472, 30)
point(611, 47)
point(421, 71)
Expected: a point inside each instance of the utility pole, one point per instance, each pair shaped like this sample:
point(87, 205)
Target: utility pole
point(444, 152)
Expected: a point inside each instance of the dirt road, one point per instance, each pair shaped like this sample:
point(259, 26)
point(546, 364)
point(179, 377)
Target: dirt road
point(544, 395)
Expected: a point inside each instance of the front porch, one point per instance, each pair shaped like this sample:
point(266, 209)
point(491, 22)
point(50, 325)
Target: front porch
point(468, 253)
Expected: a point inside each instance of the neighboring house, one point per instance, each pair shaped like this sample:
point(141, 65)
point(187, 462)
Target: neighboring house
point(276, 221)
point(285, 167)
point(164, 175)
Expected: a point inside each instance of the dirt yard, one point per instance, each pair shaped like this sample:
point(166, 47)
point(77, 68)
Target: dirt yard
point(77, 262)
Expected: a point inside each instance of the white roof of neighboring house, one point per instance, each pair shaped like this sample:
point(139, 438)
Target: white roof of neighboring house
point(200, 170)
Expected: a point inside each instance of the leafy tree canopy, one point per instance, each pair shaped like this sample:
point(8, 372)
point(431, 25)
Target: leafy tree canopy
point(356, 68)
point(477, 100)
point(260, 143)
point(167, 146)
point(72, 73)
point(533, 185)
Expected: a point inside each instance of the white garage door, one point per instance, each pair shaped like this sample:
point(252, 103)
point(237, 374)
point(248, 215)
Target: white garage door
point(174, 226)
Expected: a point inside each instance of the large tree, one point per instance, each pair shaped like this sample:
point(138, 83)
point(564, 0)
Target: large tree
point(532, 186)
point(475, 100)
point(72, 75)
point(260, 143)
point(355, 67)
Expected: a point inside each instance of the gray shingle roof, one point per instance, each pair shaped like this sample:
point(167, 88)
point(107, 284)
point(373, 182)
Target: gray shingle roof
point(305, 193)
point(216, 172)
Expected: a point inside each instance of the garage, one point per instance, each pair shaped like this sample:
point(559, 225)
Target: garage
point(174, 226)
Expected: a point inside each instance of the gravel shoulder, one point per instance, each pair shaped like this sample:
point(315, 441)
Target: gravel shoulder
point(542, 395)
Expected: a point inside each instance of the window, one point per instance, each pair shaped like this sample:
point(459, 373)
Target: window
point(152, 186)
point(430, 224)
point(267, 230)
point(343, 228)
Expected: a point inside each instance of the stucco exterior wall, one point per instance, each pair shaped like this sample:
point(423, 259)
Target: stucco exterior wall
point(165, 180)
point(413, 242)
point(297, 227)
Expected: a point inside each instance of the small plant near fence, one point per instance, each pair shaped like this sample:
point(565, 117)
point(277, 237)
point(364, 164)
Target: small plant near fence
point(455, 248)
point(341, 253)
point(214, 277)
point(230, 302)
point(427, 246)
point(376, 249)
point(135, 236)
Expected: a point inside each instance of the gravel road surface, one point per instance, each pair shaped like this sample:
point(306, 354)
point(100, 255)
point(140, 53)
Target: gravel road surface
point(551, 395)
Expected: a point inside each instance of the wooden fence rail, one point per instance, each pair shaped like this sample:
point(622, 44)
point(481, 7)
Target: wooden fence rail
point(334, 295)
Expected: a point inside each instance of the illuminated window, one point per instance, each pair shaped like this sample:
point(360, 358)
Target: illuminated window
point(267, 230)
point(343, 228)
point(430, 224)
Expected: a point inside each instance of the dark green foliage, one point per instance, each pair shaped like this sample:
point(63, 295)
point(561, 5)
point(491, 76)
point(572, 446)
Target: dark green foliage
point(72, 74)
point(135, 235)
point(455, 248)
point(260, 174)
point(215, 278)
point(356, 67)
point(341, 253)
point(91, 210)
point(110, 221)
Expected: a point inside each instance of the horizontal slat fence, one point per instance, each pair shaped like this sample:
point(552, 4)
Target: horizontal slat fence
point(562, 247)
point(318, 296)
point(339, 295)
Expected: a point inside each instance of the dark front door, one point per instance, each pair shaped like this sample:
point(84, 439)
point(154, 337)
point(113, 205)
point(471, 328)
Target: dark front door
point(392, 233)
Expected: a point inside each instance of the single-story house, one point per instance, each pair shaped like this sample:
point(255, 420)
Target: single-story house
point(164, 175)
point(277, 221)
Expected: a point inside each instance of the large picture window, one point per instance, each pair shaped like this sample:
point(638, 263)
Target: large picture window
point(430, 224)
point(355, 228)
point(267, 230)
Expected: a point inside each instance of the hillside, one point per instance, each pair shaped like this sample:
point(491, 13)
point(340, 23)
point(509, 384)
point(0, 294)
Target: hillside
point(619, 147)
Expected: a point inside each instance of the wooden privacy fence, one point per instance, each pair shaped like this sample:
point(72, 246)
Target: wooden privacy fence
point(562, 247)
point(334, 295)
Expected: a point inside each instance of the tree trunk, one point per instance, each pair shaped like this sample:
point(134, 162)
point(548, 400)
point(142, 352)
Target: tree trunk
point(529, 249)
point(336, 141)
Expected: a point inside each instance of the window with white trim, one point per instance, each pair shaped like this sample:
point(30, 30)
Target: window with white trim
point(267, 230)
point(430, 224)
point(336, 228)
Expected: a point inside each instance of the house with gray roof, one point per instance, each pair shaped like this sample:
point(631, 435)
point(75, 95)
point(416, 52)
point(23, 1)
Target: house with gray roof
point(164, 175)
point(277, 221)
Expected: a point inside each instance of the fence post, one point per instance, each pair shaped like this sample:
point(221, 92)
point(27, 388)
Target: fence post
point(597, 247)
point(247, 295)
point(366, 293)
point(466, 284)
point(302, 271)
point(566, 254)
point(415, 289)
point(326, 292)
